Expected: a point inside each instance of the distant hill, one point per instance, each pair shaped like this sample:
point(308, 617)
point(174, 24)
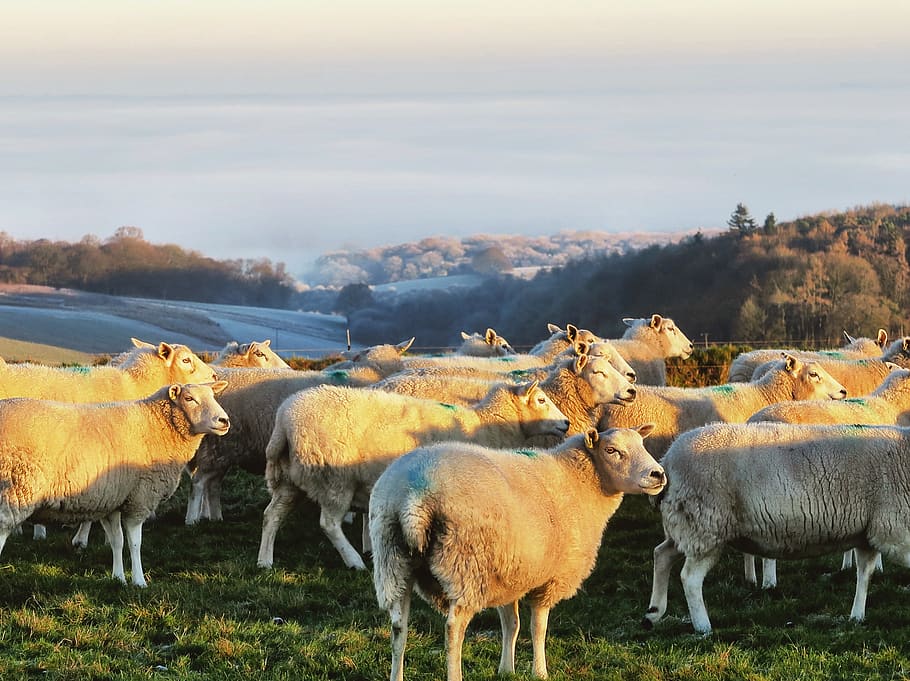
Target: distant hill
point(442, 256)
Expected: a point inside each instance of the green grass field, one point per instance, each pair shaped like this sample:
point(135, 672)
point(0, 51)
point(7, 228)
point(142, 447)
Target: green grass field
point(210, 613)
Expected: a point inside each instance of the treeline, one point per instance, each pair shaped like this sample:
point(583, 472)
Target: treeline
point(804, 281)
point(128, 265)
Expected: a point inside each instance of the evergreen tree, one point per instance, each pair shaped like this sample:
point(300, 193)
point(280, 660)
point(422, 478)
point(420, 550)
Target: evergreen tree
point(741, 221)
point(770, 226)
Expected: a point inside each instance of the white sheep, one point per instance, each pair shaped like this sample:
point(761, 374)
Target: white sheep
point(562, 339)
point(251, 400)
point(112, 461)
point(675, 410)
point(253, 354)
point(858, 376)
point(648, 343)
point(472, 528)
point(489, 344)
point(332, 443)
point(577, 384)
point(743, 366)
point(782, 491)
point(144, 369)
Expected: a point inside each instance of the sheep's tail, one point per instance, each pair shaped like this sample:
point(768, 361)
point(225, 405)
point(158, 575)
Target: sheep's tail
point(277, 453)
point(400, 531)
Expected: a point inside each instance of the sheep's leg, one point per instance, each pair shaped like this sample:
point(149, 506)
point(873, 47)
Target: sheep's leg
point(399, 613)
point(39, 532)
point(768, 573)
point(197, 498)
point(693, 574)
point(665, 554)
point(365, 542)
point(508, 617)
point(847, 561)
point(330, 519)
point(539, 617)
point(114, 532)
point(211, 500)
point(865, 566)
point(749, 568)
point(133, 527)
point(4, 533)
point(80, 539)
point(456, 625)
point(283, 498)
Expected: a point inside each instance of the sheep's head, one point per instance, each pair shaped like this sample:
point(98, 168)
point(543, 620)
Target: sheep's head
point(197, 402)
point(623, 463)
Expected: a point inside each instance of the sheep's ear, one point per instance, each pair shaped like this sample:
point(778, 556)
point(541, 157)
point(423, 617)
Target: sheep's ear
point(591, 438)
point(490, 337)
point(646, 429)
point(529, 388)
point(571, 332)
point(848, 337)
point(174, 391)
point(552, 328)
point(464, 336)
point(882, 338)
point(656, 321)
point(628, 321)
point(906, 343)
point(581, 361)
point(582, 347)
point(404, 345)
point(266, 343)
point(141, 344)
point(165, 351)
point(218, 386)
point(891, 366)
point(790, 361)
point(245, 349)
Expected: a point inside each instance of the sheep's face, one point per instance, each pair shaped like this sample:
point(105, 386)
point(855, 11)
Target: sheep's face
point(811, 381)
point(257, 354)
point(608, 386)
point(183, 365)
point(490, 344)
point(623, 463)
point(197, 402)
point(607, 350)
point(661, 331)
point(537, 413)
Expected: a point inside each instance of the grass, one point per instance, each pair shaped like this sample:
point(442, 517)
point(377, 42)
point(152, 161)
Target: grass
point(210, 613)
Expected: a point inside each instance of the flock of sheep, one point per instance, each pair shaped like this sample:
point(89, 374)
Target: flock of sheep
point(488, 475)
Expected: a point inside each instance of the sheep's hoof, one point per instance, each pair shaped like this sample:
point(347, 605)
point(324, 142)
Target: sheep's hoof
point(646, 624)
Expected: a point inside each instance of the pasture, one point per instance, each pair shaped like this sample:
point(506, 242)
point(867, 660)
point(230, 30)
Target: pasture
point(210, 613)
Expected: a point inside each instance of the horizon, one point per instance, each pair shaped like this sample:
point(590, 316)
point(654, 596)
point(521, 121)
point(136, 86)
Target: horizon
point(288, 130)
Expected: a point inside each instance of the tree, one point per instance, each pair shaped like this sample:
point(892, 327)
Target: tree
point(741, 221)
point(770, 226)
point(491, 260)
point(354, 297)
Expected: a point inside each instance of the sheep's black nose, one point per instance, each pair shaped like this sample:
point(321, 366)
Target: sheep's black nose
point(659, 475)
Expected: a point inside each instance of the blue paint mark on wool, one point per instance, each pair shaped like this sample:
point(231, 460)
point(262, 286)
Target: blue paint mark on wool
point(723, 389)
point(79, 369)
point(833, 354)
point(417, 481)
point(339, 376)
point(530, 453)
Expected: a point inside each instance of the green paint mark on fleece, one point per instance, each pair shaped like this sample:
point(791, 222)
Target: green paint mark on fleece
point(530, 453)
point(856, 400)
point(833, 354)
point(79, 369)
point(518, 374)
point(723, 389)
point(447, 406)
point(339, 376)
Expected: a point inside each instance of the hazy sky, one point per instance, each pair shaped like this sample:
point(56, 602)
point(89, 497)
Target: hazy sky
point(288, 129)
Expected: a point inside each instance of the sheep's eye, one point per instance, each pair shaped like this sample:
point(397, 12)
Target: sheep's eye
point(187, 360)
point(189, 398)
point(813, 374)
point(541, 400)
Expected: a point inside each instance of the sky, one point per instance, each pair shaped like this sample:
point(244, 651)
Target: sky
point(289, 129)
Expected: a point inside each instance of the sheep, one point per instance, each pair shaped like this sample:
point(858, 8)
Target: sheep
point(675, 410)
point(889, 404)
point(490, 344)
point(648, 343)
point(562, 339)
point(743, 366)
point(146, 368)
point(254, 354)
point(251, 400)
point(783, 491)
point(577, 385)
point(858, 376)
point(472, 528)
point(332, 443)
point(107, 461)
